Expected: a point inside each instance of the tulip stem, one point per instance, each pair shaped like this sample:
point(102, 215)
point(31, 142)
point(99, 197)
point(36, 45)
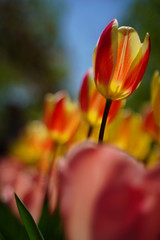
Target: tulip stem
point(49, 175)
point(46, 214)
point(90, 131)
point(104, 119)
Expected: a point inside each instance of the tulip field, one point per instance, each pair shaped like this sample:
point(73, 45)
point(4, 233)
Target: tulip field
point(88, 168)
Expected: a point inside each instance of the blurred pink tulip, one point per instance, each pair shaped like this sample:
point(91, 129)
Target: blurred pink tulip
point(105, 194)
point(27, 183)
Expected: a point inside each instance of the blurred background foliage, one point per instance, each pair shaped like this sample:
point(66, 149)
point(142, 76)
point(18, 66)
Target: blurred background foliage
point(144, 16)
point(32, 61)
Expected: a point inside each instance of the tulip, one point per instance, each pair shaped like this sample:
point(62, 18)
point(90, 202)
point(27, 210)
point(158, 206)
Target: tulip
point(150, 125)
point(92, 103)
point(154, 157)
point(107, 194)
point(155, 97)
point(122, 134)
point(119, 61)
point(27, 183)
point(61, 117)
point(35, 141)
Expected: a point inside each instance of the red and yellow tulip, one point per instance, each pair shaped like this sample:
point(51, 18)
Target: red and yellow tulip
point(92, 103)
point(61, 117)
point(123, 134)
point(119, 61)
point(35, 141)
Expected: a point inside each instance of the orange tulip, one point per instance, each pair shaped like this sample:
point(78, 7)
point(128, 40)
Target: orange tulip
point(153, 159)
point(35, 141)
point(61, 117)
point(92, 103)
point(150, 125)
point(119, 61)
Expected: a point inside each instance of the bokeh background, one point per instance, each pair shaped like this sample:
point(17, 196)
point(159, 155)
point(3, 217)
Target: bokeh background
point(47, 45)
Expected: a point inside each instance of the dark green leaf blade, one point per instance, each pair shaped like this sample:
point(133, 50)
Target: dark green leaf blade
point(28, 221)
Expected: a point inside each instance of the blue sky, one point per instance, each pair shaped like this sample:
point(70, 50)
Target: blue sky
point(83, 23)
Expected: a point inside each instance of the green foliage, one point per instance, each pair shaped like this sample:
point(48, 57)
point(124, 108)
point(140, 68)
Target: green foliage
point(28, 221)
point(51, 224)
point(10, 226)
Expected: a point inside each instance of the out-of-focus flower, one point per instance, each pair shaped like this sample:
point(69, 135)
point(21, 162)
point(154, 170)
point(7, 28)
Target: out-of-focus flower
point(155, 97)
point(81, 133)
point(127, 133)
point(154, 157)
point(61, 116)
point(27, 183)
point(34, 145)
point(119, 61)
point(106, 194)
point(149, 123)
point(92, 103)
point(129, 211)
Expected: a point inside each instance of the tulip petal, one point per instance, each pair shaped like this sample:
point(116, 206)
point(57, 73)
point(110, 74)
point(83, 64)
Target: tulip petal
point(57, 115)
point(85, 171)
point(73, 122)
point(128, 47)
point(49, 103)
point(106, 54)
point(92, 103)
point(116, 211)
point(137, 68)
point(84, 93)
point(149, 123)
point(114, 110)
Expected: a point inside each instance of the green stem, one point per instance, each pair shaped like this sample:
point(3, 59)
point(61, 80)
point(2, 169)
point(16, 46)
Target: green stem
point(46, 215)
point(90, 131)
point(50, 171)
point(105, 115)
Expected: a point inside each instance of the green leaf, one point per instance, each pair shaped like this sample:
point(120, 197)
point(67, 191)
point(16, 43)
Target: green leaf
point(28, 221)
point(1, 237)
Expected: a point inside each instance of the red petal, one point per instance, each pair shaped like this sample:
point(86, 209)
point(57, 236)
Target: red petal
point(106, 54)
point(137, 70)
point(84, 93)
point(58, 117)
point(115, 108)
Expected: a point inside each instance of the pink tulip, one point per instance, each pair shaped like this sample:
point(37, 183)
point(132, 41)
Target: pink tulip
point(105, 194)
point(27, 183)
